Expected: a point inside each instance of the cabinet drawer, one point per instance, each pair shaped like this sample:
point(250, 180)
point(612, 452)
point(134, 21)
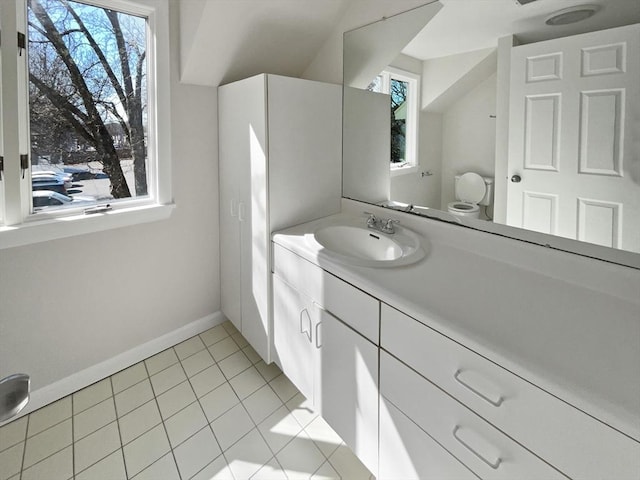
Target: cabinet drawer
point(485, 450)
point(354, 307)
point(408, 453)
point(567, 438)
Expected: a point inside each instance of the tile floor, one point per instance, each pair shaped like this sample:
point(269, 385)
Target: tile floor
point(207, 408)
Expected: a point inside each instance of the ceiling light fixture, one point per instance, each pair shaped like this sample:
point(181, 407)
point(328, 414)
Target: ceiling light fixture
point(572, 15)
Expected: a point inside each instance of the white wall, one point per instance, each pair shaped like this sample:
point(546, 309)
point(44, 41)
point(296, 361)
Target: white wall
point(412, 187)
point(69, 304)
point(469, 137)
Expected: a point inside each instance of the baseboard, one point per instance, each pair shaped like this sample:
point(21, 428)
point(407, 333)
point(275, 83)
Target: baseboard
point(45, 395)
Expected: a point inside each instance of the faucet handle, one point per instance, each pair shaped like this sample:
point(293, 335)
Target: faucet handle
point(372, 220)
point(388, 225)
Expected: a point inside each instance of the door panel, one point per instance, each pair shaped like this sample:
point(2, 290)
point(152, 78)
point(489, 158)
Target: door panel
point(229, 174)
point(573, 137)
point(293, 326)
point(346, 392)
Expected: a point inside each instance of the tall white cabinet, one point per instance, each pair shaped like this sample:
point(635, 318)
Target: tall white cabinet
point(279, 165)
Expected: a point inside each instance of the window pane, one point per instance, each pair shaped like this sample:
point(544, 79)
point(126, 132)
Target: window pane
point(399, 94)
point(87, 102)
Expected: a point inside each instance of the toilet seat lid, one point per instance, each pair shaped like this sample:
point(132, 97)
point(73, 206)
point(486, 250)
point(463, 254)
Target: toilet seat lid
point(471, 188)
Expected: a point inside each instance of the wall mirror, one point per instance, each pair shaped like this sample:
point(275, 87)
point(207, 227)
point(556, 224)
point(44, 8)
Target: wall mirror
point(515, 117)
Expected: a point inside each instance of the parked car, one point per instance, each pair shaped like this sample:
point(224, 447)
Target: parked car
point(65, 176)
point(50, 181)
point(79, 173)
point(50, 198)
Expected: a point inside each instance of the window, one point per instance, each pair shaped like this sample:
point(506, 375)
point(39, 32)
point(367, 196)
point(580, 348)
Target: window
point(403, 90)
point(87, 115)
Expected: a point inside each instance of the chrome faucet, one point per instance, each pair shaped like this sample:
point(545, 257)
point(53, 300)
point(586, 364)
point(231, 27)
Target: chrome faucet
point(380, 224)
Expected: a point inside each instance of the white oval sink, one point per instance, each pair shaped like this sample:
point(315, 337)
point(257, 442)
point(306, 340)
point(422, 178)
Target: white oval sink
point(353, 243)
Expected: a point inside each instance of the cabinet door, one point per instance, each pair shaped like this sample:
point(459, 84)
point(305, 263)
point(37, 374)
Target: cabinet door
point(346, 391)
point(293, 326)
point(230, 172)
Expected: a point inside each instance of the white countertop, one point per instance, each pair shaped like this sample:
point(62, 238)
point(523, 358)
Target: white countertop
point(568, 324)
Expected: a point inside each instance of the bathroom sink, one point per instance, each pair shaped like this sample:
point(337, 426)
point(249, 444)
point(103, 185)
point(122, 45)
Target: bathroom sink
point(350, 241)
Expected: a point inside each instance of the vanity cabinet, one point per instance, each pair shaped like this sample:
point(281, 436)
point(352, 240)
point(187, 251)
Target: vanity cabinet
point(485, 409)
point(448, 407)
point(316, 346)
point(279, 165)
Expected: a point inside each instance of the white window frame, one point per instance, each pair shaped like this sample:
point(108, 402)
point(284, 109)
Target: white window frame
point(412, 163)
point(20, 226)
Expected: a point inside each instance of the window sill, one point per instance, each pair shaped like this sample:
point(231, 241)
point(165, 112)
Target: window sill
point(63, 227)
point(396, 171)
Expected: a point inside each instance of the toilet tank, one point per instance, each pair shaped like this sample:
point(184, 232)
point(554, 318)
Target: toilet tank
point(488, 196)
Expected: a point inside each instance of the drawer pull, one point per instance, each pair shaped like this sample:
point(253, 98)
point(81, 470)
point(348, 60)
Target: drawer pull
point(477, 384)
point(478, 446)
point(304, 312)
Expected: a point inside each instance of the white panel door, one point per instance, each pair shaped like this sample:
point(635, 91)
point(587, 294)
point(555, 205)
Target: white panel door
point(346, 391)
point(574, 141)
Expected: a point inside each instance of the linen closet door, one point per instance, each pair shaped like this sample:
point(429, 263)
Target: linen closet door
point(241, 128)
point(254, 227)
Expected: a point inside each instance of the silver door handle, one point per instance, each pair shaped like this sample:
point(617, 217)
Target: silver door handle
point(318, 343)
point(302, 329)
point(516, 178)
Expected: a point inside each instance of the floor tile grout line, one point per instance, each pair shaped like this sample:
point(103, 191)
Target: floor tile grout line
point(101, 458)
point(322, 464)
point(73, 440)
point(51, 426)
point(72, 394)
point(130, 386)
point(204, 413)
point(22, 468)
point(24, 449)
point(164, 427)
point(124, 463)
point(101, 426)
point(255, 424)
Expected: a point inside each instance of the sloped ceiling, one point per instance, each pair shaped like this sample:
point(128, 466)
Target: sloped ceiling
point(226, 40)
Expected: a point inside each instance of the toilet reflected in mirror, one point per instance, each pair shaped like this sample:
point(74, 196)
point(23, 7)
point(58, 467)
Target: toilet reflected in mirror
point(472, 192)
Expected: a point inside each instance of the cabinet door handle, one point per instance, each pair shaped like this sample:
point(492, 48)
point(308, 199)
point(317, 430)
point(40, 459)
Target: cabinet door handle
point(478, 446)
point(479, 386)
point(241, 211)
point(304, 331)
point(318, 341)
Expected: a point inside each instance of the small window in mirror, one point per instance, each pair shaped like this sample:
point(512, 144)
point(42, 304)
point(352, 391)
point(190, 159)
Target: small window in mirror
point(403, 90)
